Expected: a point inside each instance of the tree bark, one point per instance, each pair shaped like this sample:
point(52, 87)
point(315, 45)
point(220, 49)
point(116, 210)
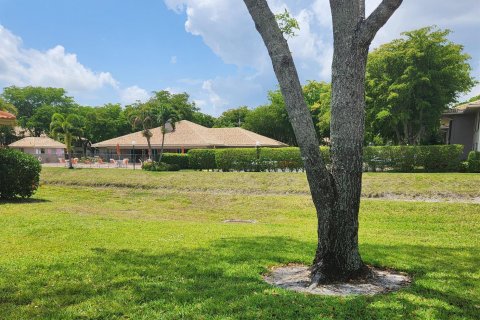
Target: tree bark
point(335, 193)
point(161, 149)
point(149, 147)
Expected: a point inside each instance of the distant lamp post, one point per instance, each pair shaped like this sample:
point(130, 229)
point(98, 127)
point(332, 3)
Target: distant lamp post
point(257, 147)
point(133, 147)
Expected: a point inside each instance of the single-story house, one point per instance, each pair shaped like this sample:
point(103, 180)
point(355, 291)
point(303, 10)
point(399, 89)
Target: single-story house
point(187, 135)
point(461, 125)
point(7, 119)
point(44, 148)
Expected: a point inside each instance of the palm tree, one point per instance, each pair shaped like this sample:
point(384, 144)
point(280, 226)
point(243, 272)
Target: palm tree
point(144, 119)
point(167, 117)
point(69, 127)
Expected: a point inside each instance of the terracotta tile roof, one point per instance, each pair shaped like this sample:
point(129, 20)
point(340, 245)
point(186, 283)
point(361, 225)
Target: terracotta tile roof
point(7, 118)
point(190, 136)
point(37, 142)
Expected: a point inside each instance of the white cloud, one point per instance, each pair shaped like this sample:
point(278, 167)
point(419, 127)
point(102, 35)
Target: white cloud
point(54, 67)
point(227, 29)
point(132, 94)
point(215, 100)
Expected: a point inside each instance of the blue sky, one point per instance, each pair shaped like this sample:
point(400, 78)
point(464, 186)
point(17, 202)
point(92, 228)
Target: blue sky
point(119, 51)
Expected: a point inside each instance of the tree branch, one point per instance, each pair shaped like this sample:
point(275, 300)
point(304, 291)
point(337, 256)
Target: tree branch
point(377, 19)
point(298, 113)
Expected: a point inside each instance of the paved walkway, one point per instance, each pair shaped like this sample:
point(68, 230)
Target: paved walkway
point(93, 166)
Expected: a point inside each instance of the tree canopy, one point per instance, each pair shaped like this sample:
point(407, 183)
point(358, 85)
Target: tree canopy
point(411, 81)
point(27, 100)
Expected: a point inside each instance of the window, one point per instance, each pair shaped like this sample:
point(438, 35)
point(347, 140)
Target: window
point(42, 151)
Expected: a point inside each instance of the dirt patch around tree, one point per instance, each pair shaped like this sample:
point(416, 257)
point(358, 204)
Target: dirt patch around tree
point(297, 278)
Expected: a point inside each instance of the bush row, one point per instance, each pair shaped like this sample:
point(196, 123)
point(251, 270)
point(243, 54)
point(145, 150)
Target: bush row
point(159, 166)
point(473, 162)
point(19, 174)
point(178, 159)
point(441, 158)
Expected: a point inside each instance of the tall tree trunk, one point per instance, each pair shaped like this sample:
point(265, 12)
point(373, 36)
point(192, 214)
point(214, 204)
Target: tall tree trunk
point(68, 143)
point(161, 149)
point(335, 193)
point(149, 148)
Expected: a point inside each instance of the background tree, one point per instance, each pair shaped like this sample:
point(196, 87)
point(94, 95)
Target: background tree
point(179, 102)
point(29, 99)
point(167, 117)
point(271, 120)
point(318, 96)
point(144, 117)
point(335, 192)
point(40, 121)
point(232, 118)
point(203, 119)
point(8, 107)
point(69, 128)
point(105, 122)
point(411, 82)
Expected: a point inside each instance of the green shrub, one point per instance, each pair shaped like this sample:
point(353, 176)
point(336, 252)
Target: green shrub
point(238, 159)
point(159, 166)
point(473, 161)
point(200, 159)
point(442, 158)
point(285, 159)
point(19, 174)
point(181, 160)
point(463, 166)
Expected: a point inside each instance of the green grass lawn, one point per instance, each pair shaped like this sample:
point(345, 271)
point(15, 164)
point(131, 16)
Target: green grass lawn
point(83, 252)
point(462, 185)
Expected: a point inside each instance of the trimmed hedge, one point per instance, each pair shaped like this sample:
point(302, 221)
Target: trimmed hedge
point(202, 159)
point(181, 160)
point(237, 160)
point(159, 166)
point(19, 174)
point(440, 158)
point(473, 161)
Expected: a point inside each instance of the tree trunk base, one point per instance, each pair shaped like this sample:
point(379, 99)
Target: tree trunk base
point(330, 275)
point(375, 281)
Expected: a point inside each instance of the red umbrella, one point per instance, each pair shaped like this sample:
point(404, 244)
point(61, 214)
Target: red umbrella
point(118, 150)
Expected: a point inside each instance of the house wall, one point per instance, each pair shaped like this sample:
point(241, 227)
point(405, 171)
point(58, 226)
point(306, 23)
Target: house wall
point(476, 134)
point(462, 132)
point(47, 155)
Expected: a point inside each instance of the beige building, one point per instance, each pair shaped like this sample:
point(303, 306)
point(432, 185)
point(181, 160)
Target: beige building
point(45, 149)
point(187, 135)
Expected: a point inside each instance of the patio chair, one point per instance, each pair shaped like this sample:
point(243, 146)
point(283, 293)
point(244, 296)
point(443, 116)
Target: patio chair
point(100, 162)
point(125, 163)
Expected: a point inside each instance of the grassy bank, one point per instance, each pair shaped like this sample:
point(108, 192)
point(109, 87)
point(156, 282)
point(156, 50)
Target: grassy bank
point(74, 252)
point(374, 184)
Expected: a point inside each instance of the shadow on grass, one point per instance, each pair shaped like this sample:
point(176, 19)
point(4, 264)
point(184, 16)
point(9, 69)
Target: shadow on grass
point(224, 281)
point(22, 201)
